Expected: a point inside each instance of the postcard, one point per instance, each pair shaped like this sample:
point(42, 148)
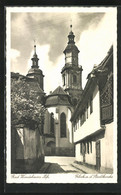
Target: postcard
point(61, 94)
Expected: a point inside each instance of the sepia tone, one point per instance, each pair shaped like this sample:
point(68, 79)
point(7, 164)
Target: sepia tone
point(76, 122)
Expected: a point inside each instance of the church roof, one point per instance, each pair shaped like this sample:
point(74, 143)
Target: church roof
point(34, 70)
point(71, 47)
point(59, 91)
point(57, 97)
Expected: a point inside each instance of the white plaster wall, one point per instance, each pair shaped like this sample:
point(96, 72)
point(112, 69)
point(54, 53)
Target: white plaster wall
point(61, 142)
point(69, 124)
point(79, 156)
point(91, 124)
point(91, 157)
point(107, 147)
point(53, 109)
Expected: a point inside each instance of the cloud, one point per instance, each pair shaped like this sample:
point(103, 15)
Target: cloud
point(19, 24)
point(94, 43)
point(51, 71)
point(94, 34)
point(14, 61)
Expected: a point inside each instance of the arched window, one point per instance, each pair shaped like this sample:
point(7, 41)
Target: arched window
point(52, 123)
point(62, 125)
point(74, 79)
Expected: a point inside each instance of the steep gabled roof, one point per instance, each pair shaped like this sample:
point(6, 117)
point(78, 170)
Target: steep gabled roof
point(102, 67)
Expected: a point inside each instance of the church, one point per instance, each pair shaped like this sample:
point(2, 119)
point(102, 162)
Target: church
point(60, 104)
point(79, 122)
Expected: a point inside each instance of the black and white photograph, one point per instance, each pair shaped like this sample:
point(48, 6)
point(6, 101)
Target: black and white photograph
point(61, 76)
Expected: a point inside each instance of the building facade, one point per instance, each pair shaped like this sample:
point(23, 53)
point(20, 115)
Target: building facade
point(57, 129)
point(92, 120)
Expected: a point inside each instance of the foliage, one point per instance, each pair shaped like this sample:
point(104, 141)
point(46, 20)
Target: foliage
point(26, 104)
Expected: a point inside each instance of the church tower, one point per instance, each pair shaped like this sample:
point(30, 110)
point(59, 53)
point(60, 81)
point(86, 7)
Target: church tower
point(72, 72)
point(35, 72)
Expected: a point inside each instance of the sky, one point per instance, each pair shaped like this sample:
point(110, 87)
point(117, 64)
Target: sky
point(94, 34)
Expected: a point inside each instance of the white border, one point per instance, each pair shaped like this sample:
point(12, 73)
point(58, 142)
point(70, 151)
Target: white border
point(56, 178)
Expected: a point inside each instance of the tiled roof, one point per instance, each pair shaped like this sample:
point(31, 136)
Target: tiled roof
point(58, 97)
point(59, 91)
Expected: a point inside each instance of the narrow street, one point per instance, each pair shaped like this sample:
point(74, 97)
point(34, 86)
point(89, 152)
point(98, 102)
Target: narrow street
point(59, 164)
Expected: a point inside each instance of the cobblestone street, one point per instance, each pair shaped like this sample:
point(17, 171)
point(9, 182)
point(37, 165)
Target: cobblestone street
point(59, 164)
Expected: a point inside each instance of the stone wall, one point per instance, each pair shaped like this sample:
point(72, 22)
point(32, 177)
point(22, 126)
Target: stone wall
point(28, 153)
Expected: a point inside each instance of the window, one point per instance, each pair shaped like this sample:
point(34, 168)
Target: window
point(52, 123)
point(91, 147)
point(82, 119)
point(88, 147)
point(34, 63)
point(69, 57)
point(64, 80)
point(91, 105)
point(85, 147)
point(74, 79)
point(62, 125)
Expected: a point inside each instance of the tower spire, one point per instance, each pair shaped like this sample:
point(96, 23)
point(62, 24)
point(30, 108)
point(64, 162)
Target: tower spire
point(71, 35)
point(34, 47)
point(35, 58)
point(71, 25)
point(72, 72)
point(35, 72)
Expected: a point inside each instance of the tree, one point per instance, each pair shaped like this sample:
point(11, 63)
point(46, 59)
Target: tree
point(26, 107)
